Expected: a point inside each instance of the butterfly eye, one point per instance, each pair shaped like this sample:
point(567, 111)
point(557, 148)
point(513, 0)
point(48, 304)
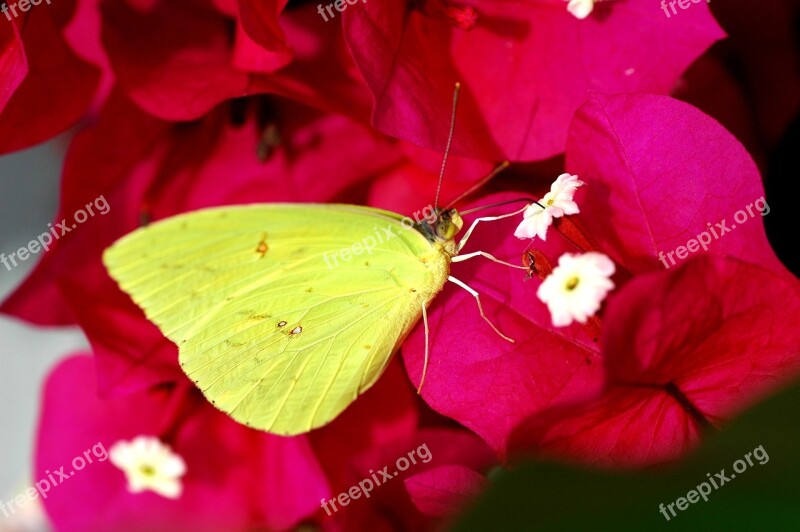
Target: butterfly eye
point(448, 224)
point(456, 221)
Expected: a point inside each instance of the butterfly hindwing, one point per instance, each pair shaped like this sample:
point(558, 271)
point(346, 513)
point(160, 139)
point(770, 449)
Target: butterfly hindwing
point(281, 315)
point(307, 358)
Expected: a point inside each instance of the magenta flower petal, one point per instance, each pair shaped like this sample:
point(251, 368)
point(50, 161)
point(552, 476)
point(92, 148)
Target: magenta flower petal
point(390, 502)
point(182, 47)
point(260, 22)
point(38, 300)
point(32, 111)
point(639, 198)
point(684, 350)
point(13, 64)
point(410, 187)
point(250, 56)
point(476, 377)
point(237, 478)
point(445, 490)
point(384, 414)
point(658, 172)
point(525, 67)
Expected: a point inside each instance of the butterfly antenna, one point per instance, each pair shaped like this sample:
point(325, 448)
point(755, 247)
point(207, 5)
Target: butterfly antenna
point(449, 142)
point(498, 204)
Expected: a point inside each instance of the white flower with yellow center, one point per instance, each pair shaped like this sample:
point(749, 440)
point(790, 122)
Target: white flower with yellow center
point(580, 9)
point(555, 204)
point(576, 288)
point(149, 464)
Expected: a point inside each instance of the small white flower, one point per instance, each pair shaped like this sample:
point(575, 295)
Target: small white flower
point(26, 517)
point(580, 9)
point(149, 464)
point(577, 287)
point(555, 204)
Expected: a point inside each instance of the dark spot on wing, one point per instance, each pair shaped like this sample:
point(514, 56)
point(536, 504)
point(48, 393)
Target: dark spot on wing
point(232, 344)
point(262, 245)
point(251, 315)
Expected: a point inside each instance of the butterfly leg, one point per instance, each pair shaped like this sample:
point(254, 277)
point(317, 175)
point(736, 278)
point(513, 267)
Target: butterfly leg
point(480, 307)
point(485, 219)
point(461, 258)
point(427, 344)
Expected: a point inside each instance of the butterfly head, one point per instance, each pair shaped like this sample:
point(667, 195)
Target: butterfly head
point(447, 224)
point(443, 225)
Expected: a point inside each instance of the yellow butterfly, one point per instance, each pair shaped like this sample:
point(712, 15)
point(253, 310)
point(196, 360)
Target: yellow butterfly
point(285, 313)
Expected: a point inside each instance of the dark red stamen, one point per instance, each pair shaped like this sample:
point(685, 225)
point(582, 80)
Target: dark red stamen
point(571, 228)
point(537, 264)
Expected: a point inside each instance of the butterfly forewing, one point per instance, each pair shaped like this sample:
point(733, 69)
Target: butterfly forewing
point(281, 315)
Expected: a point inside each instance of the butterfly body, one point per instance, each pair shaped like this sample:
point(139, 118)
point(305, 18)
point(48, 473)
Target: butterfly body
point(284, 313)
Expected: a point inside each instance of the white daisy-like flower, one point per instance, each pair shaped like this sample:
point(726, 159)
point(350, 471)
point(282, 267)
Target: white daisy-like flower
point(577, 287)
point(580, 9)
point(149, 464)
point(555, 204)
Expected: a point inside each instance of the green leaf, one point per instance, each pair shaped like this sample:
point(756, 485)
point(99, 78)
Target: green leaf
point(547, 496)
